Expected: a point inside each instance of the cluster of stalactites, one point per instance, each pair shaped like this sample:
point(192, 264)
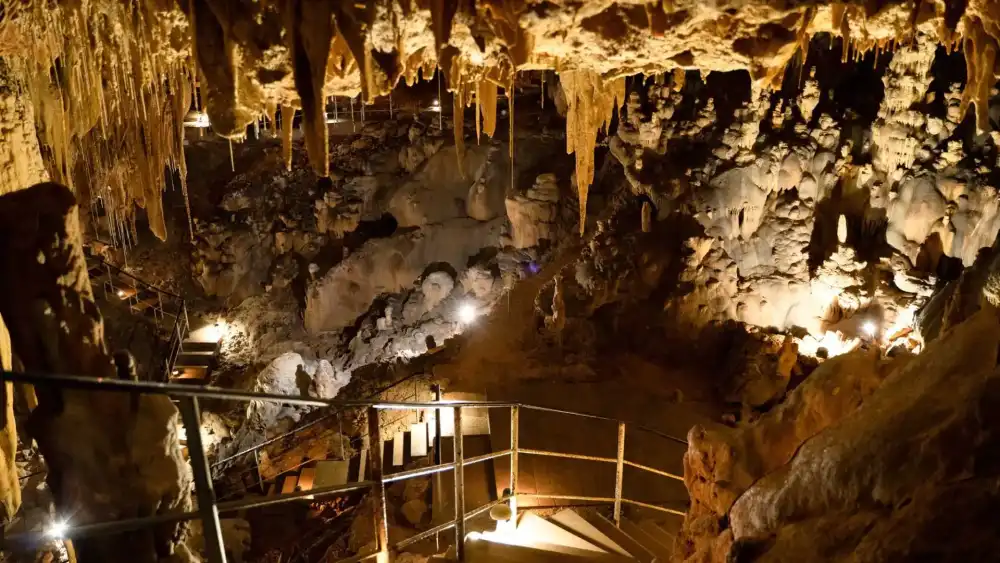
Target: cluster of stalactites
point(110, 117)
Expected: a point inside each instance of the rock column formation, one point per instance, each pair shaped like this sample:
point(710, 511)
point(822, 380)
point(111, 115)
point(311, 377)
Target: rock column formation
point(108, 457)
point(20, 166)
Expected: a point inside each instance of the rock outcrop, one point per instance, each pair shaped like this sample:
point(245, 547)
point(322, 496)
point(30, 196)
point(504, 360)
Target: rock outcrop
point(109, 456)
point(865, 460)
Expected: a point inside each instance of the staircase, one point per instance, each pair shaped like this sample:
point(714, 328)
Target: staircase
point(195, 361)
point(404, 449)
point(165, 310)
point(576, 535)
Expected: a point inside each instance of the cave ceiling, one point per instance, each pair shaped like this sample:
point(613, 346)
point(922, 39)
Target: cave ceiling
point(111, 81)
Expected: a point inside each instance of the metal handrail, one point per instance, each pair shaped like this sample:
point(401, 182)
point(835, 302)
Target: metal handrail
point(209, 507)
point(180, 325)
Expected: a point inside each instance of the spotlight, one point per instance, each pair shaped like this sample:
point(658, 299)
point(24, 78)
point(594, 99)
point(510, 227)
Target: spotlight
point(57, 530)
point(467, 313)
point(436, 105)
point(176, 372)
point(121, 294)
point(869, 328)
point(197, 119)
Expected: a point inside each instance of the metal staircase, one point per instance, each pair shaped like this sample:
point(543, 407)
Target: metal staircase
point(568, 535)
point(179, 358)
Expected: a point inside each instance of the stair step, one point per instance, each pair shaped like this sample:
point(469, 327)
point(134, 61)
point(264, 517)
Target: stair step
point(480, 551)
point(535, 531)
point(331, 473)
point(397, 449)
point(418, 439)
point(653, 545)
point(289, 483)
point(186, 359)
point(572, 521)
point(307, 478)
point(199, 346)
point(189, 374)
point(606, 527)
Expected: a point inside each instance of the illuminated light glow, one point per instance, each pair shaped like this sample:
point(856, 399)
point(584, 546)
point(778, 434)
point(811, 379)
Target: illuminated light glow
point(869, 328)
point(833, 342)
point(436, 105)
point(196, 119)
point(121, 294)
point(57, 530)
point(467, 313)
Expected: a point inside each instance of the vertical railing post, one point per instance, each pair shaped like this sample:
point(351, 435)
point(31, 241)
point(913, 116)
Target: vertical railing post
point(378, 488)
point(619, 473)
point(515, 415)
point(459, 488)
point(211, 528)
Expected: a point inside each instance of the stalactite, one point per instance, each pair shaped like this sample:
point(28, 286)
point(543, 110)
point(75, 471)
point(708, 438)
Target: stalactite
point(479, 110)
point(488, 106)
point(591, 103)
point(980, 57)
point(311, 35)
point(287, 117)
point(510, 132)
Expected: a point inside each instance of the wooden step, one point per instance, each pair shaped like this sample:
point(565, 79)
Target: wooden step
point(187, 359)
point(418, 440)
point(189, 374)
point(199, 346)
point(307, 478)
point(606, 527)
point(572, 521)
point(398, 442)
point(332, 473)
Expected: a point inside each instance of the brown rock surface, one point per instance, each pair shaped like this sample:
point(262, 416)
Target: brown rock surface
point(908, 476)
point(722, 463)
point(106, 459)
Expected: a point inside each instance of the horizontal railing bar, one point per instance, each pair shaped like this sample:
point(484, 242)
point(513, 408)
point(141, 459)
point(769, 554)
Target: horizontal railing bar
point(440, 468)
point(119, 526)
point(653, 470)
point(178, 390)
point(654, 507)
point(418, 472)
point(246, 504)
point(153, 388)
point(602, 500)
point(447, 525)
point(485, 457)
point(566, 455)
point(630, 425)
point(121, 385)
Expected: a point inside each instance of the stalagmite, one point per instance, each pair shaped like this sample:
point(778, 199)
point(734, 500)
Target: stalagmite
point(591, 105)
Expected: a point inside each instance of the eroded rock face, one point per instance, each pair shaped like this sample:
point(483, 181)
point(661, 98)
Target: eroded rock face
point(722, 463)
point(910, 464)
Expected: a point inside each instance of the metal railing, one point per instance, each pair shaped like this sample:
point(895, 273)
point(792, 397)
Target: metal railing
point(209, 508)
point(168, 306)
